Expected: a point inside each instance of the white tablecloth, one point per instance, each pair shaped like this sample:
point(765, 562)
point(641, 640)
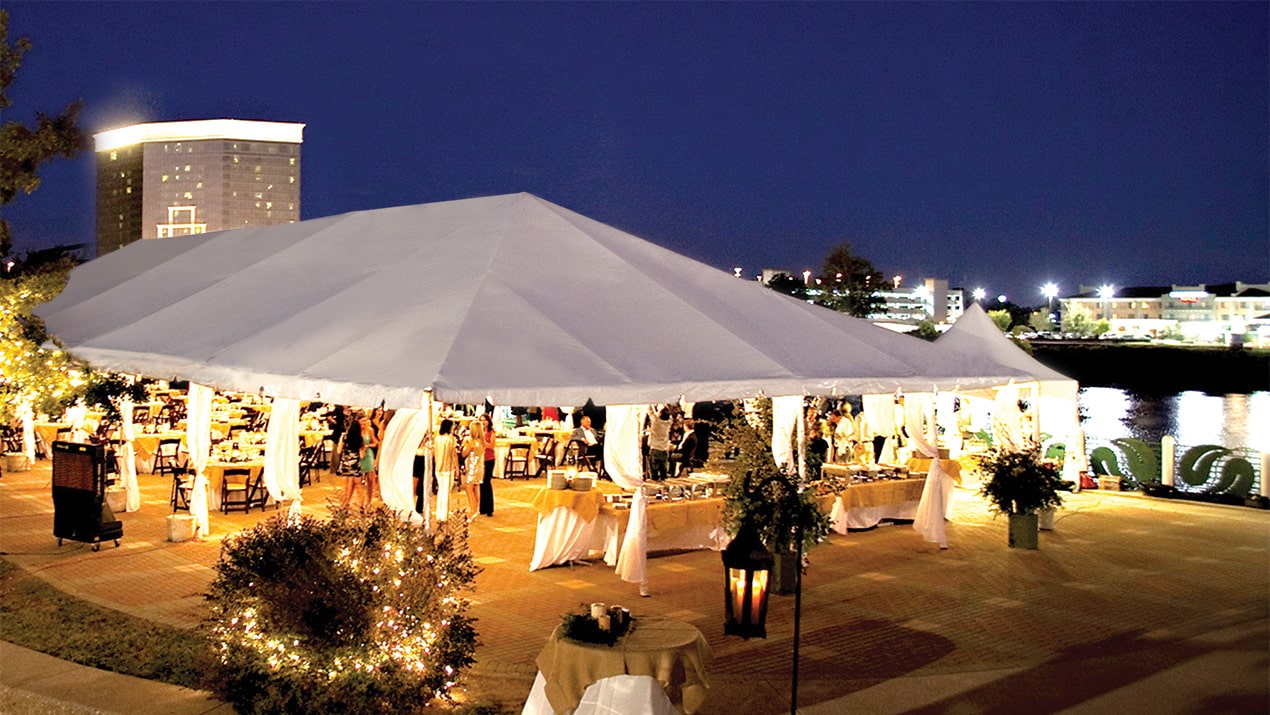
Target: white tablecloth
point(564, 536)
point(615, 695)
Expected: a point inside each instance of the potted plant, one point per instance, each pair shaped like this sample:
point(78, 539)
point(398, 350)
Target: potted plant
point(1019, 484)
point(765, 495)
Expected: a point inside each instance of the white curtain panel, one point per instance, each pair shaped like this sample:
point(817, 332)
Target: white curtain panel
point(878, 414)
point(198, 438)
point(624, 464)
point(27, 416)
point(1007, 428)
point(128, 458)
point(932, 509)
point(282, 459)
point(77, 416)
point(785, 413)
point(405, 431)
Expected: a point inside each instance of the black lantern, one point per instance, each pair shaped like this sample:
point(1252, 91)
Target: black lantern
point(747, 566)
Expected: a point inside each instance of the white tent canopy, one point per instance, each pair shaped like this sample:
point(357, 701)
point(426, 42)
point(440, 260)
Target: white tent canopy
point(507, 298)
point(1056, 394)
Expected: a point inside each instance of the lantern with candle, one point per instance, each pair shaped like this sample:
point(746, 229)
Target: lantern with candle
point(747, 565)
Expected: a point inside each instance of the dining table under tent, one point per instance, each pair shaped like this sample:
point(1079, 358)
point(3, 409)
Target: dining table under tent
point(509, 299)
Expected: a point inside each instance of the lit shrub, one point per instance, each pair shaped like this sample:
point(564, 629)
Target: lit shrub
point(357, 614)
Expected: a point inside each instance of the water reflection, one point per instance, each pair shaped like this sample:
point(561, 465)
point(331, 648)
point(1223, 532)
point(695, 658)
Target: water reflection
point(1193, 418)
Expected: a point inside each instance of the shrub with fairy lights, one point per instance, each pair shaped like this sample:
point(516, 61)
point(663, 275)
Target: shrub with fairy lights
point(359, 613)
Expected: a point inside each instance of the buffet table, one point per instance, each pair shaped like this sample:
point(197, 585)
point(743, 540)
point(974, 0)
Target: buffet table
point(675, 525)
point(566, 525)
point(659, 660)
point(863, 504)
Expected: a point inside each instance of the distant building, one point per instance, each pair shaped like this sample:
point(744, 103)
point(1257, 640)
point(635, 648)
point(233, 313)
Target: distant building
point(179, 178)
point(904, 307)
point(1205, 313)
point(909, 306)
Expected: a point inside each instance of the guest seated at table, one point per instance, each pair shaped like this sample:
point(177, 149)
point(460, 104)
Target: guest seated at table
point(585, 434)
point(686, 452)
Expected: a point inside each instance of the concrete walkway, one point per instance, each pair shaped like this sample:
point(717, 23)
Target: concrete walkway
point(1131, 605)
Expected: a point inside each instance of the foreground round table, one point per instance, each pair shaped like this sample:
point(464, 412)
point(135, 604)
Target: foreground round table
point(669, 651)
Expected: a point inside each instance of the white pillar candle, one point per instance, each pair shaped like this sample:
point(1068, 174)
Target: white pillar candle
point(597, 610)
point(1167, 447)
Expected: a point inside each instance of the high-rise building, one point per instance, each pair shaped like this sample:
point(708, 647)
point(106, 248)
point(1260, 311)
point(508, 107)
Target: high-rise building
point(179, 178)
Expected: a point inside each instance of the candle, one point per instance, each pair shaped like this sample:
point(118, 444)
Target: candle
point(597, 610)
point(605, 623)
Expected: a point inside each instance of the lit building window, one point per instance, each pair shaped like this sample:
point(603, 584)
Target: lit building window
point(291, 161)
point(164, 179)
point(114, 156)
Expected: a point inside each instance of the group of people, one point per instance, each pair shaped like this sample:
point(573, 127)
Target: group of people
point(358, 437)
point(470, 461)
point(674, 443)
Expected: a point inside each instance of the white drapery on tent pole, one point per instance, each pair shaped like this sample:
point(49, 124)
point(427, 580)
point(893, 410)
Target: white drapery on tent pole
point(198, 438)
point(282, 463)
point(405, 431)
point(932, 509)
point(128, 457)
point(786, 411)
point(624, 464)
point(27, 416)
point(429, 437)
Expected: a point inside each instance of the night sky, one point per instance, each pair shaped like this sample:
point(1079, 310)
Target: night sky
point(998, 145)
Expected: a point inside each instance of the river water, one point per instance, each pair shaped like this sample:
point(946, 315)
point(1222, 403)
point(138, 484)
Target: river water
point(1235, 421)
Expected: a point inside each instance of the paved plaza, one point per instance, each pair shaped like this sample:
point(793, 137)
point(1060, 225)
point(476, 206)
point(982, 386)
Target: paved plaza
point(1131, 605)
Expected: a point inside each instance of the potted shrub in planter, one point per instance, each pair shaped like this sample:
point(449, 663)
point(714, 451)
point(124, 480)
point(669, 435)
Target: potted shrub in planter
point(762, 494)
point(1017, 483)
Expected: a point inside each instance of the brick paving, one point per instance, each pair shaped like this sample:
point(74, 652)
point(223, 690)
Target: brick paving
point(1131, 603)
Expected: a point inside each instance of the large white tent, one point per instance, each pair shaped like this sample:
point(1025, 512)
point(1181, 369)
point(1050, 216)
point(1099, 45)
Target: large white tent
point(510, 299)
point(507, 298)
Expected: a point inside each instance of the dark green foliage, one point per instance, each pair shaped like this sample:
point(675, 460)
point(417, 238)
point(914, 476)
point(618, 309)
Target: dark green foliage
point(357, 614)
point(1018, 482)
point(852, 283)
point(926, 330)
point(760, 492)
point(585, 629)
point(103, 389)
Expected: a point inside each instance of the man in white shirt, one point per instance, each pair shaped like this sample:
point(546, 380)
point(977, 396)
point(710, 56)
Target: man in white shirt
point(584, 433)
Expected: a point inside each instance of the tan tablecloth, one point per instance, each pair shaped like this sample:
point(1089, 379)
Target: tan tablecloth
point(951, 467)
point(215, 473)
point(673, 652)
point(667, 515)
point(48, 431)
point(586, 504)
point(883, 493)
point(147, 444)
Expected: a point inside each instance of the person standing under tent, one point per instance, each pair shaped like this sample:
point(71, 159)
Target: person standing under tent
point(659, 444)
point(473, 453)
point(487, 478)
point(351, 448)
point(370, 456)
point(445, 458)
